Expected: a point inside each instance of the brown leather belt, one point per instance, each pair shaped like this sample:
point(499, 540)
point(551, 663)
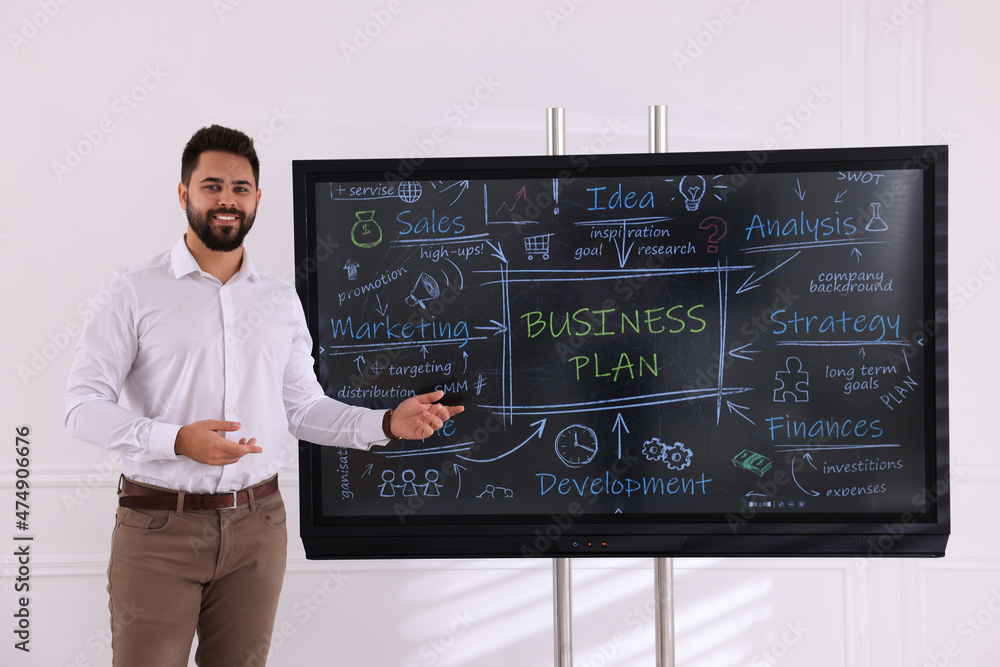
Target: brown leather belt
point(143, 498)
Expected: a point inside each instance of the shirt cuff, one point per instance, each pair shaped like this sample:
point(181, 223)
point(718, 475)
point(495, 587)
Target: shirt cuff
point(371, 428)
point(161, 441)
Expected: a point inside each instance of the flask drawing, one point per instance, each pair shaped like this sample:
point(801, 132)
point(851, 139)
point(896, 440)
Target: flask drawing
point(876, 224)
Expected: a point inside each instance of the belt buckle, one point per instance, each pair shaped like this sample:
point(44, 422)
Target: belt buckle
point(236, 502)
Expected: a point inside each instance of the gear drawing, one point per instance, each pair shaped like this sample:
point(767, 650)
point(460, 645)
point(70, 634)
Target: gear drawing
point(653, 449)
point(677, 456)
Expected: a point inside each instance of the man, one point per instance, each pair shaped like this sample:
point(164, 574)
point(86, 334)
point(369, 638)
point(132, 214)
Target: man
point(200, 540)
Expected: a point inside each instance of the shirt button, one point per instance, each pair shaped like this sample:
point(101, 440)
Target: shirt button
point(230, 411)
point(232, 367)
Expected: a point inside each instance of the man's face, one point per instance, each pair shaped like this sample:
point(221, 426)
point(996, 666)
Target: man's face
point(221, 200)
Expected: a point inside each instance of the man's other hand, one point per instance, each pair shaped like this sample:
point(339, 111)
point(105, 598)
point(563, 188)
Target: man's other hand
point(202, 441)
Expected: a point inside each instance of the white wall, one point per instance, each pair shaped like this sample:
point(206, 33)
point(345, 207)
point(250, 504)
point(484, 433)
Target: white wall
point(99, 97)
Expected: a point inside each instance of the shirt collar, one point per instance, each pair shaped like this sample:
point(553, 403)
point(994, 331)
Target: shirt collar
point(182, 263)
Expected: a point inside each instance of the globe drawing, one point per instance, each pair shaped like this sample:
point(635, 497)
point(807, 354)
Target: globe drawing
point(410, 191)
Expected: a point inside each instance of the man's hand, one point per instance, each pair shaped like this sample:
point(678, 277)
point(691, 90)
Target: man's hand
point(202, 441)
point(420, 416)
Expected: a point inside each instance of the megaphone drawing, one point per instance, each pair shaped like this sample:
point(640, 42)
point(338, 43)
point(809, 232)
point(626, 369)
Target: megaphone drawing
point(425, 290)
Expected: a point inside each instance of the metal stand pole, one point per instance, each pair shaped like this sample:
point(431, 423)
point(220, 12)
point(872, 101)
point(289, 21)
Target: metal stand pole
point(663, 568)
point(555, 131)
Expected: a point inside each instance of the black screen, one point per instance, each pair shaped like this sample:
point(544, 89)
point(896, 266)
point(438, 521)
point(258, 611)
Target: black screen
point(716, 341)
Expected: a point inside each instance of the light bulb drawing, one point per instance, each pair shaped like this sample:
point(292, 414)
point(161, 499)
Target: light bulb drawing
point(693, 189)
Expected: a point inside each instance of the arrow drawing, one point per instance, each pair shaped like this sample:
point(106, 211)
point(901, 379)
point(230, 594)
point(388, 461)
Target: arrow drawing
point(461, 278)
point(837, 199)
point(809, 459)
point(733, 408)
point(498, 328)
point(799, 191)
point(360, 360)
point(497, 251)
point(457, 468)
point(381, 309)
point(622, 252)
point(619, 425)
point(465, 186)
point(741, 348)
point(521, 194)
point(748, 285)
point(538, 433)
point(858, 253)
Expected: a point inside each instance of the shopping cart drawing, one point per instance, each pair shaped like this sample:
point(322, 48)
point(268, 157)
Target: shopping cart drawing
point(537, 245)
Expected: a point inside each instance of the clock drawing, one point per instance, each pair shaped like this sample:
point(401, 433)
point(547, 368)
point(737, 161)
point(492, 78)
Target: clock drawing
point(576, 445)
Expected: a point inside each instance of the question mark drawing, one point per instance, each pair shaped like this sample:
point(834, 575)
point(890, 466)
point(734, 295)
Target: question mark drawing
point(719, 229)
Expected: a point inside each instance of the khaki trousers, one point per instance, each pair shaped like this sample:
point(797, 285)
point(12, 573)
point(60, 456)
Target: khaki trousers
point(214, 572)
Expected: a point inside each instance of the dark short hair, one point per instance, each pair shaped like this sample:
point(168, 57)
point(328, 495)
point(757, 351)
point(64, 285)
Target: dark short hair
point(218, 138)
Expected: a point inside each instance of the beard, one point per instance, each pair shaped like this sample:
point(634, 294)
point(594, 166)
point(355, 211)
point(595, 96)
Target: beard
point(216, 237)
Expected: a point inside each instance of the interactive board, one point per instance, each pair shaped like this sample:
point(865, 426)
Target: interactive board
point(658, 354)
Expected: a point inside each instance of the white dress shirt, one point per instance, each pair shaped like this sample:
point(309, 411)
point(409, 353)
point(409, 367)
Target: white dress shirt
point(182, 347)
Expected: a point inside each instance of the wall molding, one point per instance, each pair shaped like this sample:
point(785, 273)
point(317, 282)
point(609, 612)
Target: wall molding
point(852, 73)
